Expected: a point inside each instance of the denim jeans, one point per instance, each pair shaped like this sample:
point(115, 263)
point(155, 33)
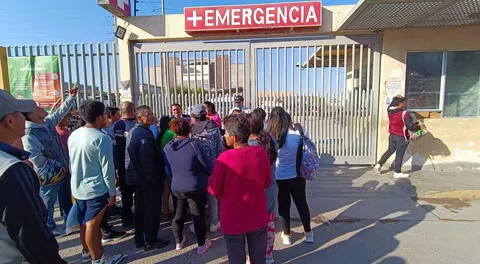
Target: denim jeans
point(49, 195)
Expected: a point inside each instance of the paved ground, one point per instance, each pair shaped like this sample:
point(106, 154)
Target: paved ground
point(433, 217)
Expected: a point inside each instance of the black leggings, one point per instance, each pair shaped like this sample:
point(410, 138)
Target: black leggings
point(397, 145)
point(196, 201)
point(296, 188)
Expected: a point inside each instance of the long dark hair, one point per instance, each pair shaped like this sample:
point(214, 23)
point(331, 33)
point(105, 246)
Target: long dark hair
point(396, 101)
point(163, 126)
point(256, 121)
point(210, 107)
point(278, 124)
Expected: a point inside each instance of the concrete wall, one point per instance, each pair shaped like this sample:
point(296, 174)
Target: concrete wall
point(172, 28)
point(451, 139)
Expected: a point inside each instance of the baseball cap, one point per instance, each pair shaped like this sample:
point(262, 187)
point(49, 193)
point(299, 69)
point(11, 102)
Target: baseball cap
point(8, 104)
point(238, 98)
point(198, 109)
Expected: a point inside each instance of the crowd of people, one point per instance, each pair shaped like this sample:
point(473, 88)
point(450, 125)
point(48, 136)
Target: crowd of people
point(225, 173)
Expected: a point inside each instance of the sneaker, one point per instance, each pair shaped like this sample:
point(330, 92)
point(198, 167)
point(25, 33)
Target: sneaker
point(204, 248)
point(377, 168)
point(58, 231)
point(181, 245)
point(309, 237)
point(399, 175)
point(287, 241)
point(192, 229)
point(269, 260)
point(115, 259)
point(214, 228)
point(86, 257)
point(113, 235)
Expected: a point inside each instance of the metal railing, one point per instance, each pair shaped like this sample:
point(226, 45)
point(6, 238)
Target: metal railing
point(94, 67)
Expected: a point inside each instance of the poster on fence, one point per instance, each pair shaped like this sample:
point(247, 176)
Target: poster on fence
point(36, 78)
point(47, 91)
point(20, 72)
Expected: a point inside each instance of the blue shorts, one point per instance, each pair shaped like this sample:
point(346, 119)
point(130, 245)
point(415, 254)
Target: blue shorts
point(88, 209)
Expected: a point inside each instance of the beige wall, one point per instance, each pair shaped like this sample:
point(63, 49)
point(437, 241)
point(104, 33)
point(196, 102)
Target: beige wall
point(172, 28)
point(452, 139)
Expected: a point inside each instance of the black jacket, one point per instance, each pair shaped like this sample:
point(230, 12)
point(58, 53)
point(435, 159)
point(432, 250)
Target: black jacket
point(143, 163)
point(23, 213)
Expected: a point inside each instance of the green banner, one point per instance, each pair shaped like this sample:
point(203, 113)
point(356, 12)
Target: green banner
point(36, 78)
point(20, 72)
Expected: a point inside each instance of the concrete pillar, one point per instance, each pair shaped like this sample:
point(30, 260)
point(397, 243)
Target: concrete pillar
point(4, 81)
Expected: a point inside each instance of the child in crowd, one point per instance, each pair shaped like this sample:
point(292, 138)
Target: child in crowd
point(259, 137)
point(239, 179)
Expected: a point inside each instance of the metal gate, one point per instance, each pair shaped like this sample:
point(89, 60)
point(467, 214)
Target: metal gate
point(94, 67)
point(330, 85)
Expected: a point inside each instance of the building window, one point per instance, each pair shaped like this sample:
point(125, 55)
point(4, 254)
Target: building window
point(446, 81)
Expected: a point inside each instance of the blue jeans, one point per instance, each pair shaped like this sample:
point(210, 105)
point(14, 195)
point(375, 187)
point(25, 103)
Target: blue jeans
point(65, 197)
point(49, 195)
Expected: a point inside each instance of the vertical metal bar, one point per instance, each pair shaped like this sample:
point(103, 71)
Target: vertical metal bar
point(307, 105)
point(236, 71)
point(142, 79)
point(203, 75)
point(336, 108)
point(108, 71)
point(188, 78)
point(196, 79)
point(352, 106)
point(61, 70)
point(155, 86)
point(100, 73)
point(361, 115)
point(115, 75)
point(77, 69)
point(149, 84)
point(176, 74)
point(291, 97)
point(69, 65)
point(84, 69)
point(267, 100)
point(315, 108)
point(210, 77)
point(299, 107)
point(92, 70)
point(182, 88)
point(285, 73)
point(223, 73)
point(344, 102)
point(229, 72)
point(368, 113)
point(323, 105)
point(216, 74)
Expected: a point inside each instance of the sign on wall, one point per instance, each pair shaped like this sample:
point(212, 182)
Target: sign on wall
point(119, 8)
point(36, 78)
point(253, 17)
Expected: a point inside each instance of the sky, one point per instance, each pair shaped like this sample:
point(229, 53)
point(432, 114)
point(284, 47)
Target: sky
point(34, 22)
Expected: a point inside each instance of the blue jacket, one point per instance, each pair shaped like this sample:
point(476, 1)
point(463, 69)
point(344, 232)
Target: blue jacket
point(142, 162)
point(47, 152)
point(188, 164)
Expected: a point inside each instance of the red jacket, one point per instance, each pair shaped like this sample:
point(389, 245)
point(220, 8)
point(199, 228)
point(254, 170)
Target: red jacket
point(399, 121)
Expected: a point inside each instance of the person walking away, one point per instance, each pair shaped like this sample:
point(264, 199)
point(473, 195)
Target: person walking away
point(258, 137)
point(49, 157)
point(177, 112)
point(165, 135)
point(399, 123)
point(24, 235)
point(190, 169)
point(211, 143)
point(239, 179)
point(120, 130)
point(93, 180)
point(289, 182)
point(212, 113)
point(144, 171)
point(240, 105)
